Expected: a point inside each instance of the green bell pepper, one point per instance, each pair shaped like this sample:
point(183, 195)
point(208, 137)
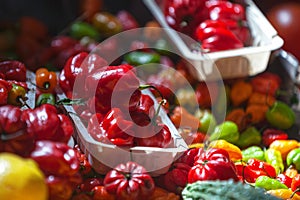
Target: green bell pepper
point(280, 115)
point(79, 30)
point(251, 136)
point(227, 130)
point(138, 58)
point(274, 158)
point(269, 183)
point(293, 158)
point(253, 152)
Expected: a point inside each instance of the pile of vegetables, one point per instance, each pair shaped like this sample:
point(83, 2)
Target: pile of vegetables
point(246, 153)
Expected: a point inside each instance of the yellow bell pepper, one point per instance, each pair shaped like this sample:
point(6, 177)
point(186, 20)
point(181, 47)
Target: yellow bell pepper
point(284, 146)
point(234, 152)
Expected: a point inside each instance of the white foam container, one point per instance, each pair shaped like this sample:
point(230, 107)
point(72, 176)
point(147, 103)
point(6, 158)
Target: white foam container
point(246, 61)
point(104, 157)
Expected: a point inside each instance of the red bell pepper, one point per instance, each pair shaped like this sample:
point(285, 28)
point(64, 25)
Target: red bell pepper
point(144, 111)
point(129, 181)
point(5, 87)
point(225, 10)
point(77, 68)
point(13, 70)
point(14, 137)
point(113, 128)
point(270, 135)
point(285, 179)
point(255, 168)
point(206, 93)
point(185, 15)
point(212, 164)
point(60, 165)
point(188, 156)
point(218, 39)
point(113, 86)
point(46, 124)
point(295, 186)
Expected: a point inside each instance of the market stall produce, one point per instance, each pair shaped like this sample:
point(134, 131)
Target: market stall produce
point(110, 109)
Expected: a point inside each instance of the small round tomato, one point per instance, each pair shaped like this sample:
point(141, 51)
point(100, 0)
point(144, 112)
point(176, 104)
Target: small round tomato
point(46, 81)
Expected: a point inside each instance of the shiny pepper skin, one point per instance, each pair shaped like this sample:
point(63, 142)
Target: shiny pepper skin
point(129, 181)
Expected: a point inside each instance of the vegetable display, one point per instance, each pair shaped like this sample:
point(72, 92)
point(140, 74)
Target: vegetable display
point(237, 149)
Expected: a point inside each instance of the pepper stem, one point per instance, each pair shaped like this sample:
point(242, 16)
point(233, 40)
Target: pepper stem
point(161, 103)
point(143, 87)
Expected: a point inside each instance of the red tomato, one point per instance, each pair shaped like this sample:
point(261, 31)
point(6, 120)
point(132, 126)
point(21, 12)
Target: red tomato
point(284, 17)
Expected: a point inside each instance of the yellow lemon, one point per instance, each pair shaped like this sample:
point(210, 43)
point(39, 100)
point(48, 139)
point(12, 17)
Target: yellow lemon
point(21, 179)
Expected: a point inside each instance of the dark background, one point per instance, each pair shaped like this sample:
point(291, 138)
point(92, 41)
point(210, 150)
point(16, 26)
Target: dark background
point(57, 14)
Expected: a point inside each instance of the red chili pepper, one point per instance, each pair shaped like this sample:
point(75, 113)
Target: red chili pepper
point(107, 94)
point(206, 93)
point(55, 158)
point(185, 15)
point(113, 127)
point(285, 179)
point(155, 135)
point(129, 181)
point(218, 39)
point(85, 165)
point(46, 124)
point(212, 164)
point(255, 168)
point(14, 137)
point(5, 87)
point(239, 28)
point(188, 156)
point(78, 67)
point(270, 135)
point(144, 111)
point(13, 70)
point(295, 186)
point(177, 177)
point(225, 10)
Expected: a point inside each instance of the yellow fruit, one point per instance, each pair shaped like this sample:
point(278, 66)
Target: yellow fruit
point(21, 179)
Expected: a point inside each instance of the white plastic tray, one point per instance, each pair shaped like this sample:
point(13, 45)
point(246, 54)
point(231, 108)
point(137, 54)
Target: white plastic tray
point(104, 157)
point(245, 61)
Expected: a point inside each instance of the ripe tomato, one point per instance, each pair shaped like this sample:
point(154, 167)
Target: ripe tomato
point(284, 18)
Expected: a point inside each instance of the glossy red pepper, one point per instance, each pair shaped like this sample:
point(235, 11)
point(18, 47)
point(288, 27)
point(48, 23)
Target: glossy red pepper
point(155, 135)
point(225, 10)
point(13, 70)
point(129, 181)
point(188, 156)
point(206, 93)
point(270, 135)
point(78, 67)
point(185, 15)
point(112, 128)
point(255, 168)
point(59, 163)
point(114, 85)
point(218, 39)
point(144, 111)
point(239, 28)
point(295, 186)
point(164, 85)
point(5, 87)
point(212, 164)
point(285, 179)
point(46, 124)
point(14, 137)
point(85, 165)
point(127, 20)
point(177, 177)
